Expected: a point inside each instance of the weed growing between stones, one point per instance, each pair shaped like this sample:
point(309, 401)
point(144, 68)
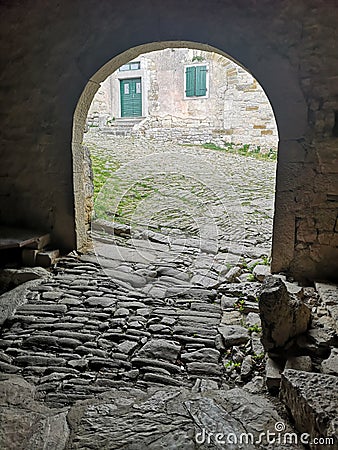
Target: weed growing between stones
point(239, 305)
point(255, 329)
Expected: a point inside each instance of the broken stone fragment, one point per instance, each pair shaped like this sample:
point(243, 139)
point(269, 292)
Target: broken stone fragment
point(256, 385)
point(253, 319)
point(113, 228)
point(15, 277)
point(13, 299)
point(283, 315)
point(160, 349)
point(294, 288)
point(232, 275)
point(261, 272)
point(328, 294)
point(246, 367)
point(233, 335)
point(34, 424)
point(231, 318)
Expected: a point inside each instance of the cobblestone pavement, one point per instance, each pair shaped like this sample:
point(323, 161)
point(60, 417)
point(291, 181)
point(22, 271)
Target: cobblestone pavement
point(202, 192)
point(94, 362)
point(151, 338)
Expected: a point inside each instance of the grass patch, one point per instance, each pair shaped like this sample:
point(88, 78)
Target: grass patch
point(244, 150)
point(102, 171)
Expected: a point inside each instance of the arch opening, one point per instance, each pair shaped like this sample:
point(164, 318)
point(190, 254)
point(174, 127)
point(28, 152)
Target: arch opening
point(82, 213)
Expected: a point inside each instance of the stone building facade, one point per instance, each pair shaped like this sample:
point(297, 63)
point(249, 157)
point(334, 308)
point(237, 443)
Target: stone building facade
point(230, 108)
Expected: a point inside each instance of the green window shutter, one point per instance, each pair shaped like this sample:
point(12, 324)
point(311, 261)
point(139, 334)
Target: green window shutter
point(201, 81)
point(190, 75)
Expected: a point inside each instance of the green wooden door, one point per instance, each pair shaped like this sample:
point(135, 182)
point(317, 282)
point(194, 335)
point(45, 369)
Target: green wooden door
point(131, 97)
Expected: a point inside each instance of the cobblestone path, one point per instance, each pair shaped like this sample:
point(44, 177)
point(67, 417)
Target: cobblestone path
point(154, 336)
point(201, 192)
point(80, 333)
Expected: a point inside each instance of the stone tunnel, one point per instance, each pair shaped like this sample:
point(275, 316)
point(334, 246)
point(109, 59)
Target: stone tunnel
point(54, 57)
point(53, 66)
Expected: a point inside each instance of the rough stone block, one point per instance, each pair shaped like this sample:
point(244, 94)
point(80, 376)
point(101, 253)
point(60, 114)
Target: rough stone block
point(330, 365)
point(25, 420)
point(231, 318)
point(303, 363)
point(312, 400)
point(15, 277)
point(232, 275)
point(11, 300)
point(253, 319)
point(328, 294)
point(160, 348)
point(261, 272)
point(283, 316)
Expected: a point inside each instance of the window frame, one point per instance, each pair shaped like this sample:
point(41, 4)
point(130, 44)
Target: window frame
point(128, 66)
point(195, 97)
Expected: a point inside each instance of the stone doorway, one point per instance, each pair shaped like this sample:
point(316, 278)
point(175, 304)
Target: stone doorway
point(90, 90)
point(206, 207)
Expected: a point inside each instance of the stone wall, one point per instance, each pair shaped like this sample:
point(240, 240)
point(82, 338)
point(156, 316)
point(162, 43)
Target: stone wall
point(55, 56)
point(236, 109)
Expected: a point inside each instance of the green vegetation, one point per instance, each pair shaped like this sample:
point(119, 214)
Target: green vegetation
point(232, 364)
point(251, 277)
point(211, 146)
point(266, 261)
point(244, 264)
point(244, 150)
point(119, 204)
point(198, 58)
point(258, 356)
point(255, 329)
point(239, 304)
point(102, 171)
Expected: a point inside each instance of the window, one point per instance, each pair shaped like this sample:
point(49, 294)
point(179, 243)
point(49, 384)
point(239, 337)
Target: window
point(130, 66)
point(196, 81)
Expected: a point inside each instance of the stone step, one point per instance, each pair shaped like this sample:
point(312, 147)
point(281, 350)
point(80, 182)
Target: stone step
point(122, 126)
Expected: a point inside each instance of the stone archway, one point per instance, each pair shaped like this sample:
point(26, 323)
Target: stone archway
point(58, 51)
point(280, 109)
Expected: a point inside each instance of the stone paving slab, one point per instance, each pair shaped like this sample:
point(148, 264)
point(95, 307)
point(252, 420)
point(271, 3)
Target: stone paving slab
point(174, 418)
